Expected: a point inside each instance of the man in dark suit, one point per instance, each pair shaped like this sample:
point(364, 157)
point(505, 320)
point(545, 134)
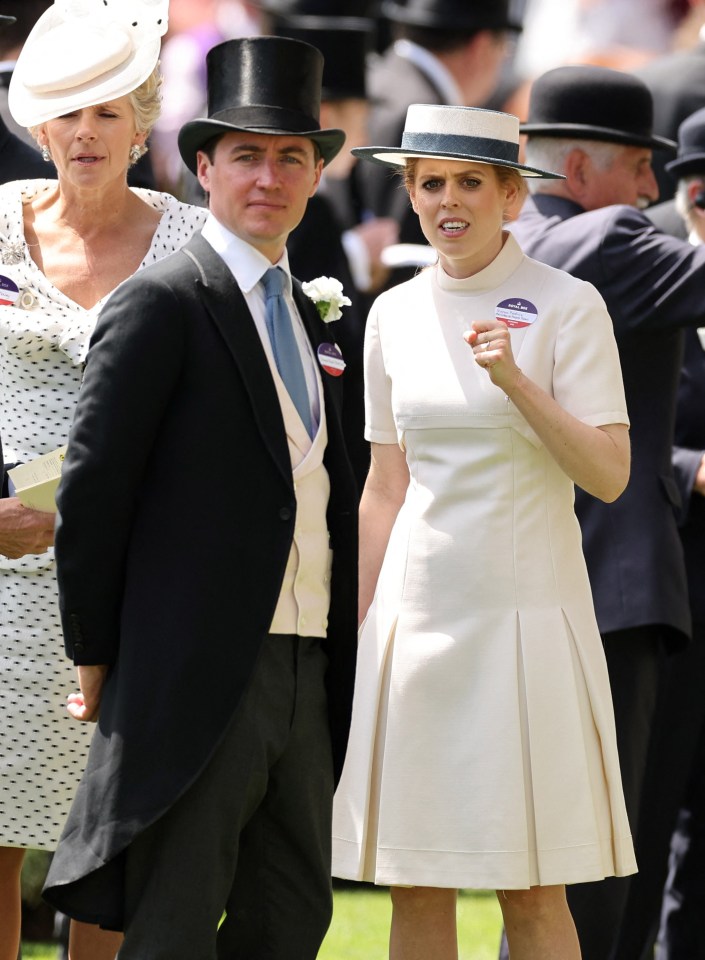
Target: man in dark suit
point(595, 126)
point(444, 51)
point(206, 551)
point(675, 752)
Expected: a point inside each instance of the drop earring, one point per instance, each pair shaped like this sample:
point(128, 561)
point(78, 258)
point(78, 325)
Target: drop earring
point(46, 153)
point(135, 152)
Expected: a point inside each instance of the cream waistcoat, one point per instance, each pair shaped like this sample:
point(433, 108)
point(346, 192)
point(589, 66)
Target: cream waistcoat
point(305, 594)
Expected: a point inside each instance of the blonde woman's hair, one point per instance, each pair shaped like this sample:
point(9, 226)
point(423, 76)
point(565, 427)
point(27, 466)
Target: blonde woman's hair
point(146, 103)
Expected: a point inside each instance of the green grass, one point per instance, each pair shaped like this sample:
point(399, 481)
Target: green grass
point(360, 928)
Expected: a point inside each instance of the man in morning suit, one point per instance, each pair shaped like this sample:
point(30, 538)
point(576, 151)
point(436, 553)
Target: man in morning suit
point(595, 125)
point(206, 549)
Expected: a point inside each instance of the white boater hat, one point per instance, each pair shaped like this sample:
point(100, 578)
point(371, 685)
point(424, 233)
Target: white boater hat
point(456, 133)
point(84, 52)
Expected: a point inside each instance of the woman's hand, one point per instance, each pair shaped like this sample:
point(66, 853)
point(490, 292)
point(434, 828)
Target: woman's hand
point(24, 531)
point(595, 458)
point(492, 346)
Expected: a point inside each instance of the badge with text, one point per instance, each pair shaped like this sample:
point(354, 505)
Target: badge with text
point(9, 291)
point(516, 312)
point(331, 359)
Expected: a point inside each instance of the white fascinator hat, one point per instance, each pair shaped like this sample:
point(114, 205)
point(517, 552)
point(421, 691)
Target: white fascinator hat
point(83, 52)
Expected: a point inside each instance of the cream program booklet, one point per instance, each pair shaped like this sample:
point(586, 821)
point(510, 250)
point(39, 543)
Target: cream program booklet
point(36, 482)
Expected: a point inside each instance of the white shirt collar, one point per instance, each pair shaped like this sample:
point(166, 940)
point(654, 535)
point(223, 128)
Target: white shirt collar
point(432, 67)
point(246, 264)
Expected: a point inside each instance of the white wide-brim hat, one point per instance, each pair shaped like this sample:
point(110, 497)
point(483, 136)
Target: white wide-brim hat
point(81, 52)
point(457, 133)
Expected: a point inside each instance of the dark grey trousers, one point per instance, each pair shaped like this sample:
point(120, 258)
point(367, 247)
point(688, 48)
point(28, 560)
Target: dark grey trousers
point(251, 837)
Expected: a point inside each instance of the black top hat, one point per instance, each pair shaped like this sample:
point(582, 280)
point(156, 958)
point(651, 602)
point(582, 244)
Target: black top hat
point(344, 42)
point(268, 85)
point(593, 103)
point(691, 147)
point(451, 14)
point(319, 8)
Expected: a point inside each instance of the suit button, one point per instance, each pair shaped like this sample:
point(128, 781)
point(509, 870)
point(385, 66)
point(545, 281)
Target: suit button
point(285, 513)
point(79, 647)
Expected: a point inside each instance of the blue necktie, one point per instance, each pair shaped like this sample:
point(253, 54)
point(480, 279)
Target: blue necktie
point(284, 345)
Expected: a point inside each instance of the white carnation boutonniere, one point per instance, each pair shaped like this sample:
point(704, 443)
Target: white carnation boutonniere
point(327, 294)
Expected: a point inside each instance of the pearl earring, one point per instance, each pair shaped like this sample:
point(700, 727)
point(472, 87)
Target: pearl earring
point(135, 152)
point(46, 154)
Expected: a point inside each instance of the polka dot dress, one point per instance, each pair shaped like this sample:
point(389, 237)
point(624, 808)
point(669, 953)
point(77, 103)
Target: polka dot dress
point(43, 344)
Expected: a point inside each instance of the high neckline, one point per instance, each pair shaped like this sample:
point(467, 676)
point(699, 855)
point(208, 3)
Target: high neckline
point(505, 263)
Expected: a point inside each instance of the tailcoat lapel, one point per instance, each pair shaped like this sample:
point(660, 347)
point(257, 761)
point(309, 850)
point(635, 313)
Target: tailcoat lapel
point(318, 333)
point(226, 306)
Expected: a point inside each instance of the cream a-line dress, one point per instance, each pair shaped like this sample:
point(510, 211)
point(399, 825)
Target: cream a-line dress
point(482, 751)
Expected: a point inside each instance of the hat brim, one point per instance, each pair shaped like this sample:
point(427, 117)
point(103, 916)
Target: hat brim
point(397, 157)
point(30, 108)
point(6, 21)
point(685, 166)
point(581, 131)
point(457, 21)
point(195, 134)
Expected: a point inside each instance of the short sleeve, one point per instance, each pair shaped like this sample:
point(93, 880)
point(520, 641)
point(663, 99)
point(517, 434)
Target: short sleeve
point(587, 376)
point(379, 417)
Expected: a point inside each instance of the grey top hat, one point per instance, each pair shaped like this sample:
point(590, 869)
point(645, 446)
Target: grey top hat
point(269, 85)
point(451, 14)
point(691, 147)
point(587, 102)
point(457, 133)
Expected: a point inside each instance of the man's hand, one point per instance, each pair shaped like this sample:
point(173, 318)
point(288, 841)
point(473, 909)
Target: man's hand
point(85, 705)
point(24, 531)
point(699, 483)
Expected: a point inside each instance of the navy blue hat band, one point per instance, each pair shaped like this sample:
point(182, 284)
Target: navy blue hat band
point(442, 143)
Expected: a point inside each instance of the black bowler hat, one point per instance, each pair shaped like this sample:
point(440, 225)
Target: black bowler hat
point(451, 14)
point(587, 102)
point(344, 42)
point(269, 85)
point(691, 147)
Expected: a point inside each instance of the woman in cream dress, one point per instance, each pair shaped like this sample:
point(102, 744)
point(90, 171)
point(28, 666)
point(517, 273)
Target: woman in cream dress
point(482, 751)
